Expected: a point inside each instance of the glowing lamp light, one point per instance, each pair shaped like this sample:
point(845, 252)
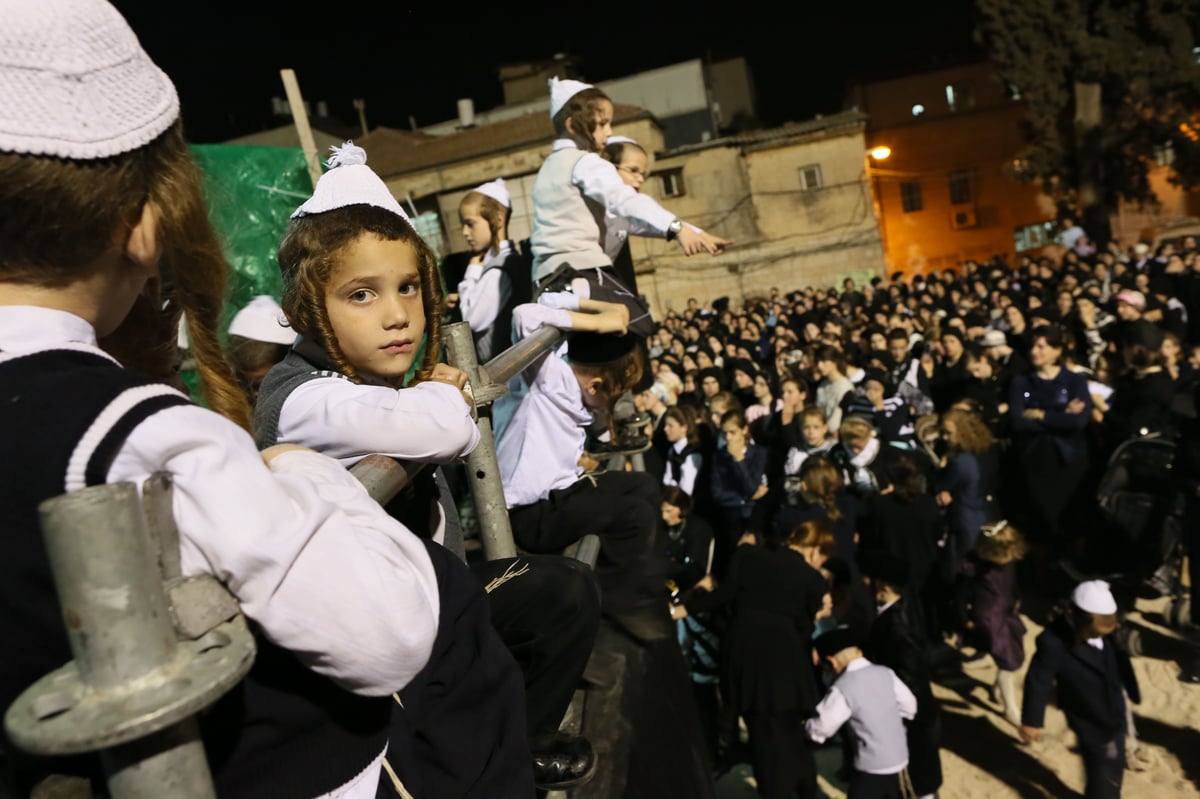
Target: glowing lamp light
point(881, 153)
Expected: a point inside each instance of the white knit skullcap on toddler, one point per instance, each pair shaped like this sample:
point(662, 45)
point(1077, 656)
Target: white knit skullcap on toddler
point(349, 182)
point(562, 91)
point(1094, 596)
point(496, 190)
point(622, 140)
point(75, 82)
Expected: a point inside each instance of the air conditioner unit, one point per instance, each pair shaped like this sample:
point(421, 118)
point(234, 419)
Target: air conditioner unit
point(965, 218)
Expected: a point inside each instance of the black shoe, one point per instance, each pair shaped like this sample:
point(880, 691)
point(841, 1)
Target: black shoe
point(636, 422)
point(563, 761)
point(558, 280)
point(627, 444)
point(1191, 672)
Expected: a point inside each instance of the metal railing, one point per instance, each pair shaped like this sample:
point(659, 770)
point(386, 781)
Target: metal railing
point(152, 649)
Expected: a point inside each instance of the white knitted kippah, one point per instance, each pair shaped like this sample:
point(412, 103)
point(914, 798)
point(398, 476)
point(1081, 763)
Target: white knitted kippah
point(496, 190)
point(262, 319)
point(75, 82)
point(622, 140)
point(1094, 596)
point(563, 90)
point(349, 181)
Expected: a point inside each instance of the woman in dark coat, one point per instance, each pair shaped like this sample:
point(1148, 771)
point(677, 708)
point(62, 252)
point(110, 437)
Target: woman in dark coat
point(1049, 408)
point(776, 595)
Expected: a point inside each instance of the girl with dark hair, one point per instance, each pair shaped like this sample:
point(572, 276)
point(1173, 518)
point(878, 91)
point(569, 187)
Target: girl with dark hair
point(833, 385)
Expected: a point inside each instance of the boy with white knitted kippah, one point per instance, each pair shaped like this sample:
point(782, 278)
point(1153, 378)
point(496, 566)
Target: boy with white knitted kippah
point(877, 704)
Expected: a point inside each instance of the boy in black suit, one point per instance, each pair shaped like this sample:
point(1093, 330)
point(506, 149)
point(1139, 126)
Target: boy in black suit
point(1078, 654)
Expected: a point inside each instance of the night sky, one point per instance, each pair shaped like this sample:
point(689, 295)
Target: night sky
point(405, 59)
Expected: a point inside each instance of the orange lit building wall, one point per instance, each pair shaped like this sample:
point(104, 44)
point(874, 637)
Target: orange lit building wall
point(970, 144)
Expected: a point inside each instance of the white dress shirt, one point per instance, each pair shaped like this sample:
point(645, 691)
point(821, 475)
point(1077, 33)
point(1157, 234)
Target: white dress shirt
point(541, 446)
point(485, 289)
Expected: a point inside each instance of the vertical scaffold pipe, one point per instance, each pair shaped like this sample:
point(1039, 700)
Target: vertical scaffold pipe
point(483, 471)
point(120, 630)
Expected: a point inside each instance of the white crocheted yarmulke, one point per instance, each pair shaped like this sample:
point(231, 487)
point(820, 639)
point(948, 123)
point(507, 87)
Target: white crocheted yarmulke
point(563, 90)
point(75, 82)
point(262, 319)
point(349, 181)
point(496, 190)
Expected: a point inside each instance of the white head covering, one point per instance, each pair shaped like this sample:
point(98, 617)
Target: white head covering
point(496, 190)
point(262, 320)
point(1094, 596)
point(563, 90)
point(622, 140)
point(349, 181)
point(75, 83)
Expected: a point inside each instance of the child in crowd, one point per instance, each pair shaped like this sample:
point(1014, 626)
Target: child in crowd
point(683, 457)
point(896, 640)
point(1078, 656)
point(738, 482)
point(994, 624)
point(576, 187)
point(104, 240)
point(258, 339)
point(876, 703)
point(486, 289)
point(361, 290)
point(553, 501)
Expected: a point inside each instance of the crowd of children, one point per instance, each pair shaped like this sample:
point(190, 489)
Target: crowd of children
point(835, 484)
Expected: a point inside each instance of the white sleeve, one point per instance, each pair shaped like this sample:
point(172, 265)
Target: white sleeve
point(599, 181)
point(832, 712)
point(905, 700)
point(481, 295)
point(531, 317)
point(429, 422)
point(313, 560)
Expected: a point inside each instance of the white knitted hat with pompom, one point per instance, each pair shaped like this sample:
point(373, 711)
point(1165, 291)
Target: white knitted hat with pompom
point(75, 83)
point(349, 181)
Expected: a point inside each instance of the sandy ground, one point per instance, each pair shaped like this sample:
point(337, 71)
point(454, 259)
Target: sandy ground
point(983, 757)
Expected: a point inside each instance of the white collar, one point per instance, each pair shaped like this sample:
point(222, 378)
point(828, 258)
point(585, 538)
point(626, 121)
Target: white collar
point(856, 664)
point(28, 328)
point(500, 256)
point(1097, 643)
point(679, 445)
point(563, 144)
point(881, 608)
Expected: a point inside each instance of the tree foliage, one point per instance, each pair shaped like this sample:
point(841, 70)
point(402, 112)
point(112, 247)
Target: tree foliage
point(1110, 87)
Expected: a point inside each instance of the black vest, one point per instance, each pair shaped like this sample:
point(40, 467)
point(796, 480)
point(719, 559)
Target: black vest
point(284, 731)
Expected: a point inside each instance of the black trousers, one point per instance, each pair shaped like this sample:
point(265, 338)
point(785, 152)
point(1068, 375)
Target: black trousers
point(783, 761)
point(623, 509)
point(1104, 765)
point(546, 609)
point(874, 786)
point(1051, 483)
point(459, 727)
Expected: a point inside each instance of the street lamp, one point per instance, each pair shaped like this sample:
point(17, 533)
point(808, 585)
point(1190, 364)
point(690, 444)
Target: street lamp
point(878, 153)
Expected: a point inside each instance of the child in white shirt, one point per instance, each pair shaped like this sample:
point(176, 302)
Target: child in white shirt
point(485, 292)
point(553, 500)
point(876, 703)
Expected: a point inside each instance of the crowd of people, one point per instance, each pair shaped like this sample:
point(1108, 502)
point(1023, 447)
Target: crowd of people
point(948, 433)
point(836, 481)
